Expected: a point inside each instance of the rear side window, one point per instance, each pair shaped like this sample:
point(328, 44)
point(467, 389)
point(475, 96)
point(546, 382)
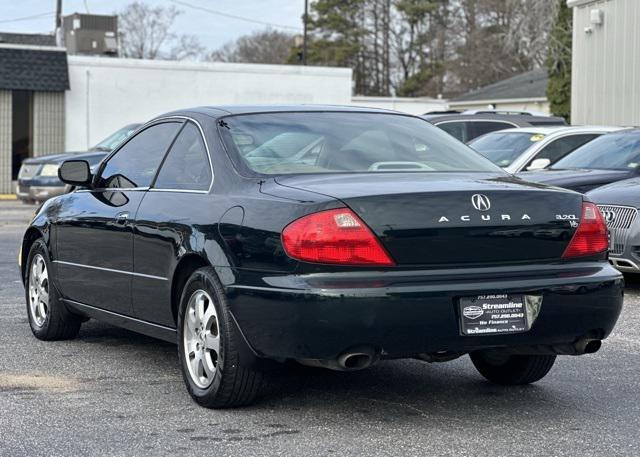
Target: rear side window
point(559, 148)
point(187, 165)
point(479, 128)
point(467, 131)
point(457, 130)
point(136, 163)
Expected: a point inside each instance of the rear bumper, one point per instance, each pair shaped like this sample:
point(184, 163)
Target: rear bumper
point(404, 314)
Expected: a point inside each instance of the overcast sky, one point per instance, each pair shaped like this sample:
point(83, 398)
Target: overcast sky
point(213, 30)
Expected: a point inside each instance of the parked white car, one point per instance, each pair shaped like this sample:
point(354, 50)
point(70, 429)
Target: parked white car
point(534, 148)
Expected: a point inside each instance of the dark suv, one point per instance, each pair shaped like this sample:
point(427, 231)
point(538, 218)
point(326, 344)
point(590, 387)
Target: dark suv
point(467, 125)
point(38, 176)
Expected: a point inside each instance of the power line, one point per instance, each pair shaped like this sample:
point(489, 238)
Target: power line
point(233, 16)
point(26, 18)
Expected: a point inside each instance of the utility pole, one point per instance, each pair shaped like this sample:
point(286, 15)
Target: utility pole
point(58, 29)
point(304, 38)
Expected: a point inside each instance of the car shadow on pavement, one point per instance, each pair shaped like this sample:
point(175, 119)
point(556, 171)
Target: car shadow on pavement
point(389, 391)
point(406, 389)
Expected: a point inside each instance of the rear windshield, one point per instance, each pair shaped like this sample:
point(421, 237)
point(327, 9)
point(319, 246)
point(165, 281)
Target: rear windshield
point(505, 147)
point(615, 151)
point(325, 142)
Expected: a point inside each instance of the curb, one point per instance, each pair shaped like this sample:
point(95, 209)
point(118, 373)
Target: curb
point(8, 197)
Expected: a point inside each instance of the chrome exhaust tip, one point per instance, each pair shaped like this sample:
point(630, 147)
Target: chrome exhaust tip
point(358, 358)
point(592, 346)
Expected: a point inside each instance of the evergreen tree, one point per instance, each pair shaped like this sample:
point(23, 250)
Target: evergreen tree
point(428, 47)
point(559, 63)
point(338, 37)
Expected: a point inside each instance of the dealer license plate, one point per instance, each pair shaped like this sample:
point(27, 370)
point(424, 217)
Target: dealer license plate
point(492, 314)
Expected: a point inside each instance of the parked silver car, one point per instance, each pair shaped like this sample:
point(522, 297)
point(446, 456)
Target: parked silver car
point(619, 203)
point(535, 148)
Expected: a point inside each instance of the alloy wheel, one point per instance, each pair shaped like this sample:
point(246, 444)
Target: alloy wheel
point(201, 338)
point(38, 290)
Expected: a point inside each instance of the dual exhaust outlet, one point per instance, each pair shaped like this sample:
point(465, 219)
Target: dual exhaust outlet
point(361, 357)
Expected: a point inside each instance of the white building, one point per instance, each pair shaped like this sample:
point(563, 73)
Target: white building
point(106, 93)
point(605, 71)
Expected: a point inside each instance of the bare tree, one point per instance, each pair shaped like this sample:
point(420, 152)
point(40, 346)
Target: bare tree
point(531, 29)
point(145, 33)
point(266, 46)
point(496, 39)
point(186, 47)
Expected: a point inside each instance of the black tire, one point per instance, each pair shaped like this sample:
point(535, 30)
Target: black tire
point(59, 323)
point(231, 384)
point(512, 370)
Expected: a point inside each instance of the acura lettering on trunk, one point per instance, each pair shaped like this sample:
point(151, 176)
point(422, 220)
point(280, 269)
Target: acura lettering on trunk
point(486, 217)
point(333, 237)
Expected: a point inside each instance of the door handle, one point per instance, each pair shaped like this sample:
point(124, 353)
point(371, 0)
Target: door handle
point(122, 218)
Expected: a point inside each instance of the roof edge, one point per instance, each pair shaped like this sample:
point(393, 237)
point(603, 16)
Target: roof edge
point(31, 47)
point(375, 98)
point(501, 100)
point(574, 3)
point(119, 62)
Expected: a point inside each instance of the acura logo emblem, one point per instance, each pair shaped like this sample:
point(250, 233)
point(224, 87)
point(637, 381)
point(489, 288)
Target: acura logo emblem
point(609, 216)
point(481, 202)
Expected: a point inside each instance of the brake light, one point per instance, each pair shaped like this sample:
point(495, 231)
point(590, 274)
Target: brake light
point(591, 236)
point(336, 236)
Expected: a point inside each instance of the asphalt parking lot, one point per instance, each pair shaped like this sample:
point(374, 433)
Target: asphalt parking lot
point(112, 392)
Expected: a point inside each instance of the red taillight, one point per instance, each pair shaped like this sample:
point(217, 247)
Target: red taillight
point(591, 236)
point(335, 236)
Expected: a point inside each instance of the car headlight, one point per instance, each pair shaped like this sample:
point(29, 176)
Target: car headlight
point(49, 169)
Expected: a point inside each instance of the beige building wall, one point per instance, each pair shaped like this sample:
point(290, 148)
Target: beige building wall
point(418, 105)
point(48, 123)
point(606, 62)
point(5, 142)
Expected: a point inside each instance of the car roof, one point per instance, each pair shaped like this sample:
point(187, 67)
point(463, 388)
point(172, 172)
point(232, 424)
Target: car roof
point(518, 119)
point(226, 110)
point(551, 130)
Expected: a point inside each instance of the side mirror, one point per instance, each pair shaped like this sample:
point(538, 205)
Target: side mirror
point(75, 172)
point(539, 164)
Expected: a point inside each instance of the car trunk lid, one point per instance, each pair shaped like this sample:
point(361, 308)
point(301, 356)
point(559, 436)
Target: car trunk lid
point(455, 218)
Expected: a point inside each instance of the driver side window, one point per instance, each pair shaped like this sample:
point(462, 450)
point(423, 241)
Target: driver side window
point(136, 163)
